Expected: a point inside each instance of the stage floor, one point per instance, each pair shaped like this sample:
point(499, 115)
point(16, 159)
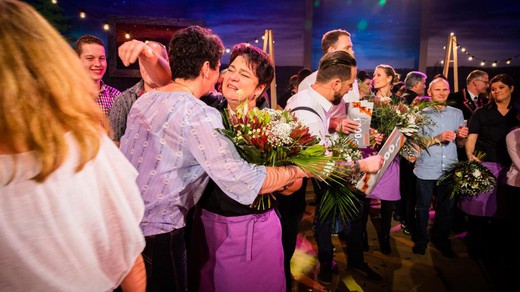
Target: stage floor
point(401, 270)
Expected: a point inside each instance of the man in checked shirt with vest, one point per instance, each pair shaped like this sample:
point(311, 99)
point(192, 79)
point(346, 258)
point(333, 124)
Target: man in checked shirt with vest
point(91, 52)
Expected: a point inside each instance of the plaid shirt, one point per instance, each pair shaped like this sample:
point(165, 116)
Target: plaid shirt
point(106, 97)
point(121, 107)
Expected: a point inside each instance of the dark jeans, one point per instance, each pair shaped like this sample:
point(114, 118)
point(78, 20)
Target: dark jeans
point(408, 193)
point(291, 209)
point(165, 261)
point(443, 213)
point(323, 232)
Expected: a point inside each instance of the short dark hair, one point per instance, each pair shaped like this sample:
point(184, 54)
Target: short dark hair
point(507, 80)
point(412, 78)
point(330, 38)
point(86, 40)
point(302, 74)
point(257, 60)
point(363, 75)
point(293, 81)
point(190, 47)
point(337, 64)
point(397, 87)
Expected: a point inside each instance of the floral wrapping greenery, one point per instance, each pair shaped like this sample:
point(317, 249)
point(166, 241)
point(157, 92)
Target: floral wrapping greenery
point(389, 113)
point(275, 138)
point(468, 178)
point(341, 200)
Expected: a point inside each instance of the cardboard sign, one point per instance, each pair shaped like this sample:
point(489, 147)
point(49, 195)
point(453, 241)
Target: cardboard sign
point(389, 150)
point(361, 112)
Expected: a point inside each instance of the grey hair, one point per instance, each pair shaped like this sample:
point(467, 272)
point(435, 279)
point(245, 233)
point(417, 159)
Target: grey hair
point(474, 75)
point(413, 78)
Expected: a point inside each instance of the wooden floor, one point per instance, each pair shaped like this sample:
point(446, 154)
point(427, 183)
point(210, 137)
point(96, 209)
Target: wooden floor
point(402, 270)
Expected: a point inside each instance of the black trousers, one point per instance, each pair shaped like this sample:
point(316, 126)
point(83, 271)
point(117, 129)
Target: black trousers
point(165, 261)
point(406, 205)
point(323, 232)
point(291, 209)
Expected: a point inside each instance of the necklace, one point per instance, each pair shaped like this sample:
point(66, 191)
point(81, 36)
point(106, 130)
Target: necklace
point(189, 89)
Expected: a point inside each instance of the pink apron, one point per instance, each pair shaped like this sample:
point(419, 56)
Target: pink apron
point(245, 253)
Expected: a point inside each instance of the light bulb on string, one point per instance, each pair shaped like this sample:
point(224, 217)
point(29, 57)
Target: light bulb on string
point(494, 64)
point(482, 63)
point(54, 1)
point(470, 58)
point(256, 40)
point(82, 14)
point(228, 50)
point(463, 50)
point(508, 62)
point(127, 35)
point(106, 27)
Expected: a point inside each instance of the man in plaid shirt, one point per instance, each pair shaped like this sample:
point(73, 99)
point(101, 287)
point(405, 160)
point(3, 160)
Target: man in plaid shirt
point(91, 52)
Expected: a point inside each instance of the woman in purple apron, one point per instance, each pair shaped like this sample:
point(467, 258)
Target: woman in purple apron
point(488, 128)
point(236, 247)
point(387, 188)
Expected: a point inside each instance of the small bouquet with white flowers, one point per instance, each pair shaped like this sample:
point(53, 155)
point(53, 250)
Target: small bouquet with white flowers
point(468, 178)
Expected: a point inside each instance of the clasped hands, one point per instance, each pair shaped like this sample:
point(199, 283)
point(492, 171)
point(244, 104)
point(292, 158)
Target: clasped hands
point(448, 136)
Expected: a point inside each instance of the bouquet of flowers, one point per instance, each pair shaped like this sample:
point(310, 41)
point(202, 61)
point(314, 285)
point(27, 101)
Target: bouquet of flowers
point(341, 199)
point(469, 178)
point(389, 113)
point(275, 138)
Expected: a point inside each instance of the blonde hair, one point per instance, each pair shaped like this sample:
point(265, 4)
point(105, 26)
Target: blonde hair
point(45, 92)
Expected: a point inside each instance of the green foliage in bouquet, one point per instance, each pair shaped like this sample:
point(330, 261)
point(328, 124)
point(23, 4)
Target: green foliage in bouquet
point(468, 178)
point(389, 113)
point(341, 199)
point(275, 138)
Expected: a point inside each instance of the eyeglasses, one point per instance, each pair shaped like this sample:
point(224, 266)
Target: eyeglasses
point(486, 82)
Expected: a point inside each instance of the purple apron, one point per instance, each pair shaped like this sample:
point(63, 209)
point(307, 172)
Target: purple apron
point(485, 204)
point(387, 188)
point(245, 253)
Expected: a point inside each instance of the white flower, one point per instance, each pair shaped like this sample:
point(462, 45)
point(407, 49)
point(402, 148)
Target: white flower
point(476, 173)
point(280, 133)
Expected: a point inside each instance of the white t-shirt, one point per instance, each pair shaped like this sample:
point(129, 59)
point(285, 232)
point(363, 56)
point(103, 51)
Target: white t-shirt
point(73, 232)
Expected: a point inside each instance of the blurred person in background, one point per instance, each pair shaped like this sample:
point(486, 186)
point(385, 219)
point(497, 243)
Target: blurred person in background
point(69, 205)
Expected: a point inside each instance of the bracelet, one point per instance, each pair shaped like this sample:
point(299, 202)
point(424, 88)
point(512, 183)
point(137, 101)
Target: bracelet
point(357, 168)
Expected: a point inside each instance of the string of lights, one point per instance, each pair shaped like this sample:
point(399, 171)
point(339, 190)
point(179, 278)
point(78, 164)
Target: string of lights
point(83, 14)
point(483, 61)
